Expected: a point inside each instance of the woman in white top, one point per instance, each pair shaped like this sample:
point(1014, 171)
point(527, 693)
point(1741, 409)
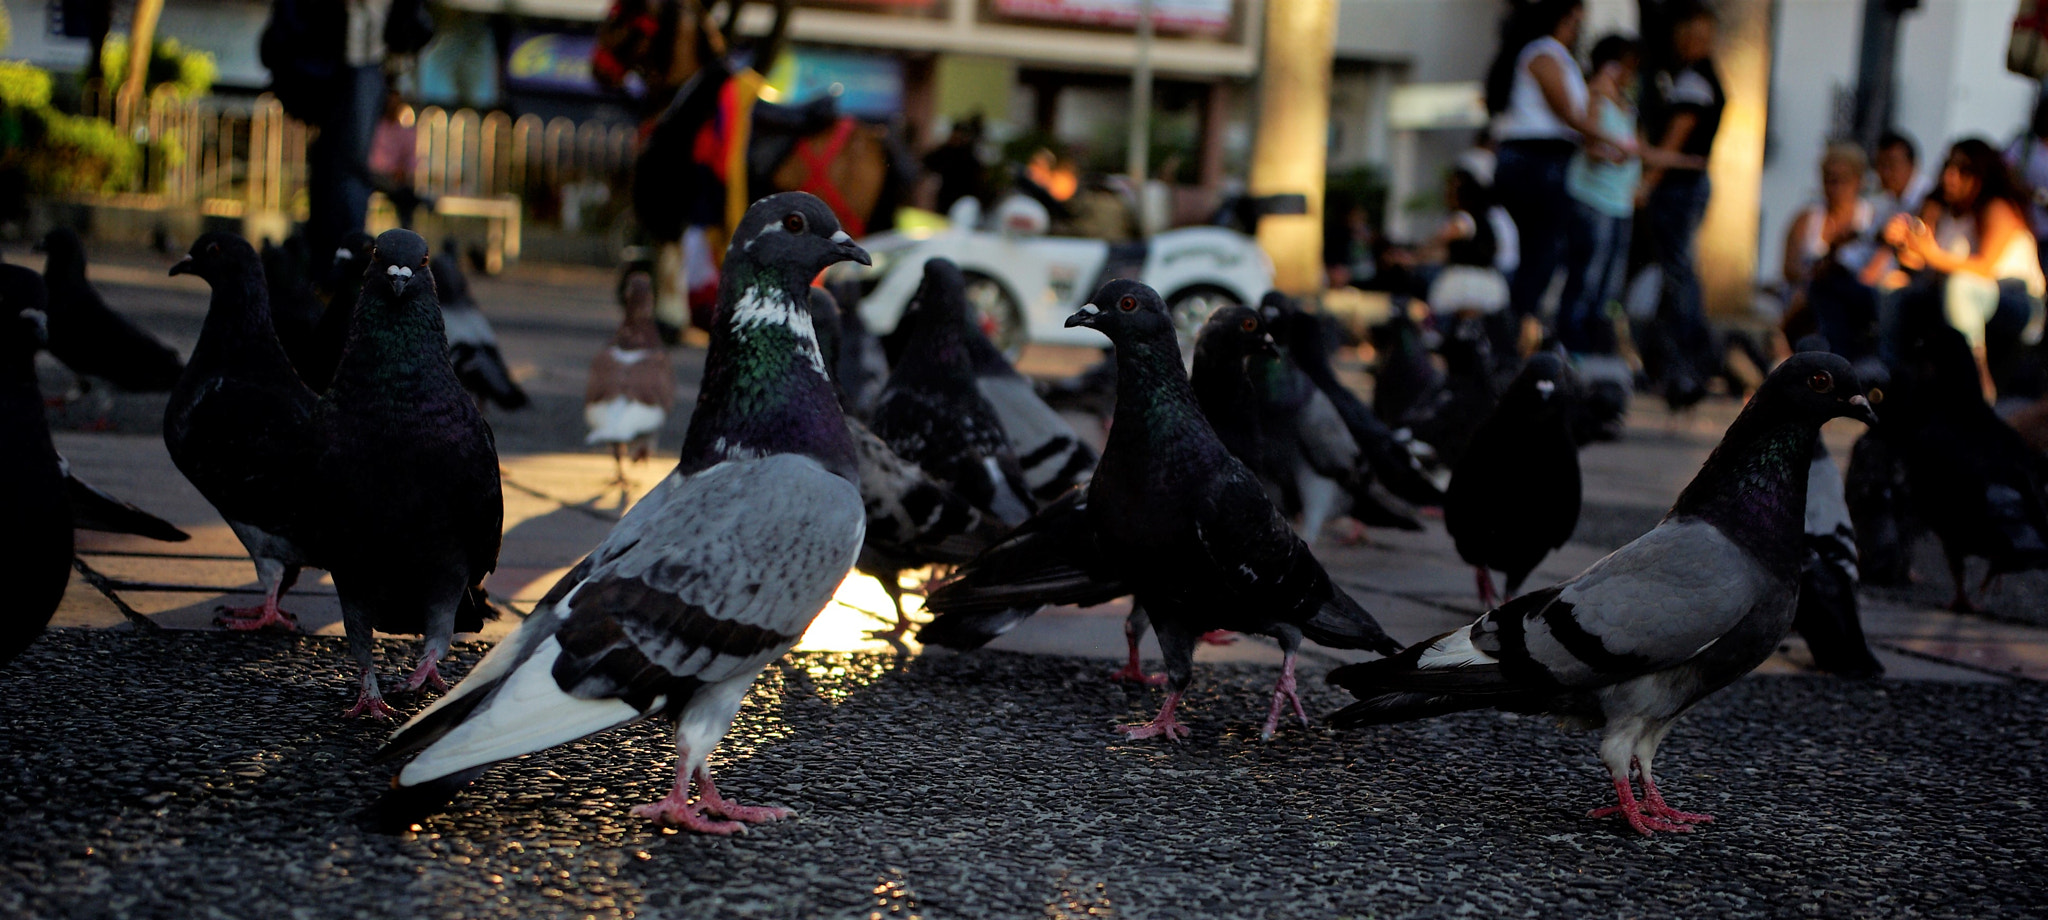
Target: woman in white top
point(1827, 249)
point(1973, 229)
point(1538, 100)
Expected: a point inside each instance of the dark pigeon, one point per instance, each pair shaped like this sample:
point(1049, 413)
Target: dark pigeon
point(1515, 496)
point(932, 413)
point(859, 365)
point(295, 305)
point(1307, 343)
point(912, 520)
point(1183, 526)
point(712, 576)
point(1405, 378)
point(343, 282)
point(37, 565)
point(92, 339)
point(1453, 412)
point(408, 473)
point(240, 426)
point(1973, 480)
point(1881, 509)
point(1636, 640)
point(472, 344)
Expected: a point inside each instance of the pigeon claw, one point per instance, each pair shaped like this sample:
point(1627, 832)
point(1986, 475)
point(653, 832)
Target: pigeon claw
point(686, 815)
point(372, 707)
point(252, 619)
point(428, 675)
point(1133, 674)
point(1164, 726)
point(750, 814)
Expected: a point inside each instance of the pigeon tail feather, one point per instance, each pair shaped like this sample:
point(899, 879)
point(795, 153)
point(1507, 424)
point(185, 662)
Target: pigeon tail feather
point(1342, 623)
point(401, 807)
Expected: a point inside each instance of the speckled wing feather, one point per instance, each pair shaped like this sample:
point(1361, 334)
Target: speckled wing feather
point(706, 580)
point(910, 517)
point(1049, 451)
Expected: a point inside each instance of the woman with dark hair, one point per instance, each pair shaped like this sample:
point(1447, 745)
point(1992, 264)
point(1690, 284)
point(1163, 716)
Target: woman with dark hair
point(1537, 97)
point(1973, 229)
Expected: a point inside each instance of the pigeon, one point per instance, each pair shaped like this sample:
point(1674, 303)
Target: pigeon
point(1307, 454)
point(37, 566)
point(1880, 510)
point(1454, 411)
point(472, 345)
point(1173, 519)
point(1514, 496)
point(1642, 635)
point(92, 508)
point(92, 339)
point(1049, 451)
point(1406, 378)
point(913, 521)
point(713, 575)
point(632, 389)
point(932, 412)
point(295, 306)
point(408, 473)
point(860, 366)
point(1305, 339)
point(344, 284)
point(240, 426)
point(1973, 480)
point(1827, 617)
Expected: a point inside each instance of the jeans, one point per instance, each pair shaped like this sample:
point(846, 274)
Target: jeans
point(338, 162)
point(1528, 178)
point(1674, 211)
point(1595, 267)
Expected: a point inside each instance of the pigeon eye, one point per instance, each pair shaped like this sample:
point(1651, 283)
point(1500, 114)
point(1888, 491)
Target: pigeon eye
point(1127, 304)
point(794, 223)
point(1249, 325)
point(1876, 396)
point(213, 249)
point(1821, 381)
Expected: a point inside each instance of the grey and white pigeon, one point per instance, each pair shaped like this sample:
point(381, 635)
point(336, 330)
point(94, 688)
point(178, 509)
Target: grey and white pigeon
point(1174, 520)
point(714, 574)
point(932, 412)
point(472, 343)
point(632, 389)
point(89, 336)
point(1634, 641)
point(240, 425)
point(1828, 617)
point(408, 472)
point(1049, 451)
point(37, 566)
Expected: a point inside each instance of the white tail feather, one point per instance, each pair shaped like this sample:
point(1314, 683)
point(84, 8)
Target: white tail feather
point(1453, 651)
point(620, 420)
point(530, 713)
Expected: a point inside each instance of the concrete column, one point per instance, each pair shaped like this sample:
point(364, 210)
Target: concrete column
point(1293, 135)
point(1727, 247)
point(141, 41)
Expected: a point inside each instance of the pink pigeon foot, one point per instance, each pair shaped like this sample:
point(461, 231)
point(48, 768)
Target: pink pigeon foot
point(1133, 671)
point(1488, 598)
point(1653, 803)
point(1219, 637)
point(369, 705)
point(250, 619)
point(1163, 724)
point(720, 806)
point(1283, 692)
point(428, 674)
point(675, 810)
point(1632, 812)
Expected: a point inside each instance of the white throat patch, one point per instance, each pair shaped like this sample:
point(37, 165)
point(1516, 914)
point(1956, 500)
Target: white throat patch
point(756, 308)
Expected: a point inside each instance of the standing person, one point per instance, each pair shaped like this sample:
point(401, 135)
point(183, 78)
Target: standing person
point(1681, 115)
point(327, 60)
point(957, 164)
point(1603, 203)
point(393, 155)
point(1537, 97)
point(1973, 229)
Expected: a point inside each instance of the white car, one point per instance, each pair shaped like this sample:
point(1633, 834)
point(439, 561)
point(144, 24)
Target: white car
point(1025, 284)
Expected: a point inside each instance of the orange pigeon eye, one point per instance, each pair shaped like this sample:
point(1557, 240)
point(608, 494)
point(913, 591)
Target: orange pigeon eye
point(1821, 381)
point(1127, 304)
point(1249, 324)
point(1876, 396)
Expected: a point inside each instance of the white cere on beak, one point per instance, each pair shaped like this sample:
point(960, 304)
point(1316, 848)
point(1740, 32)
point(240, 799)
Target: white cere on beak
point(1546, 387)
point(839, 236)
point(1090, 309)
point(343, 253)
point(399, 270)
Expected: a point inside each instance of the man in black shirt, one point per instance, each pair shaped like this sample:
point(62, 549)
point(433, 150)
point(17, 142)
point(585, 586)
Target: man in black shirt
point(1681, 114)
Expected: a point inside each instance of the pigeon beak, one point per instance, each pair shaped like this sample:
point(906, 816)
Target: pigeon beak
point(398, 276)
point(849, 251)
point(1084, 318)
point(1861, 410)
point(1267, 346)
point(182, 266)
point(1546, 387)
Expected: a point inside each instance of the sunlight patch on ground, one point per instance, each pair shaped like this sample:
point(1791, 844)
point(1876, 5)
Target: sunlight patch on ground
point(857, 609)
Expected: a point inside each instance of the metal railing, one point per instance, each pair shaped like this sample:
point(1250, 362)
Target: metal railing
point(237, 158)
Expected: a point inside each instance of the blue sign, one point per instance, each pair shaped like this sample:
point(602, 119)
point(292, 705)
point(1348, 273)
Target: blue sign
point(868, 86)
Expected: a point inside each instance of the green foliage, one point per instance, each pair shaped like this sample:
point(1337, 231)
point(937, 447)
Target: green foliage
point(188, 73)
point(24, 86)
